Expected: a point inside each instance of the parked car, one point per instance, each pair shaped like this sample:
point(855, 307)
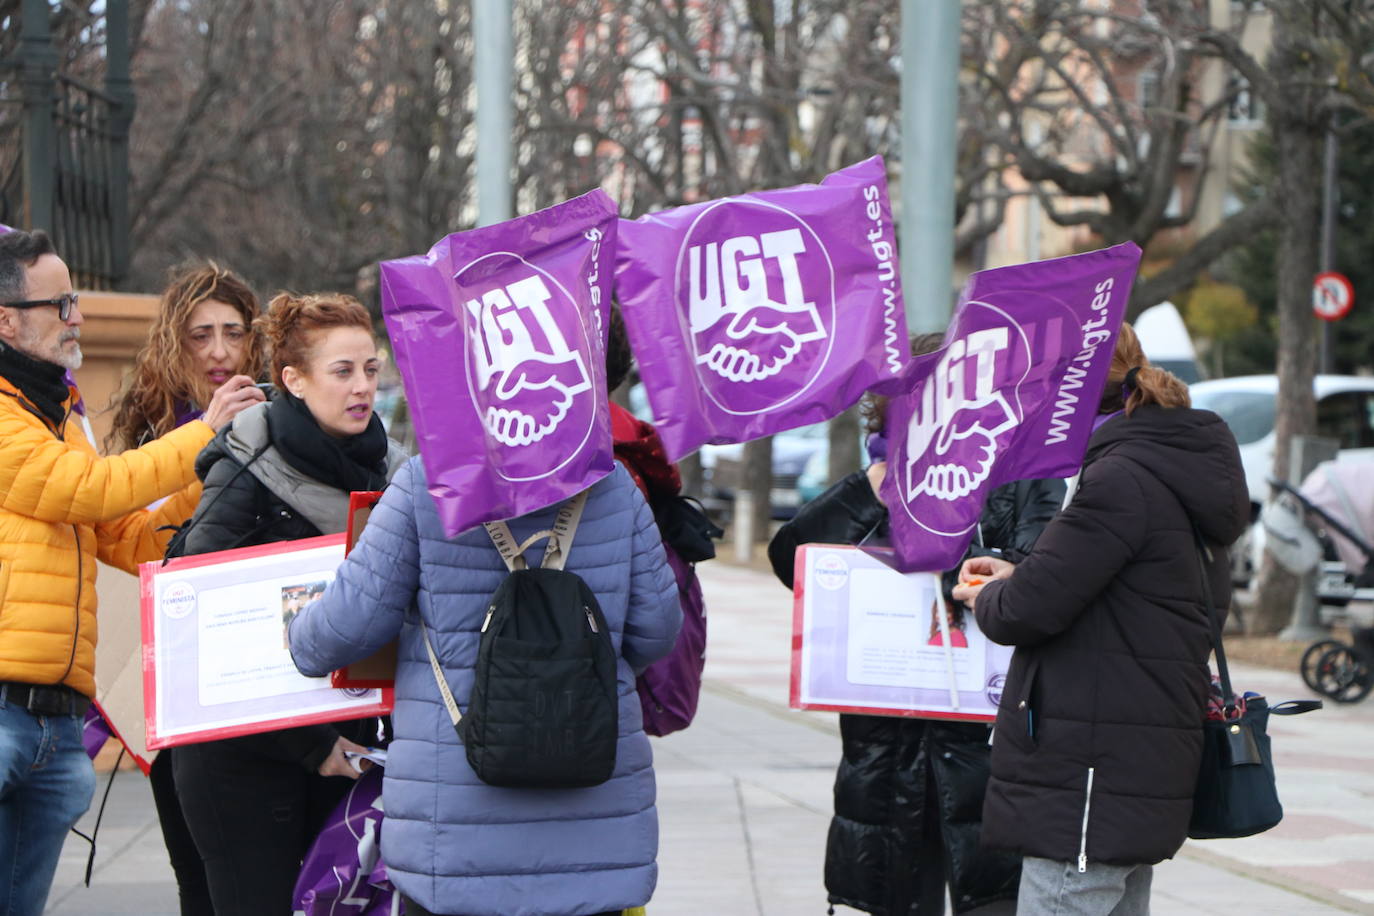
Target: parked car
point(1345, 412)
point(723, 467)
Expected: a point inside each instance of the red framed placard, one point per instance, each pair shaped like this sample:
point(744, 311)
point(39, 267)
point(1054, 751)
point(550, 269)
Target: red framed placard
point(215, 660)
point(379, 669)
point(868, 639)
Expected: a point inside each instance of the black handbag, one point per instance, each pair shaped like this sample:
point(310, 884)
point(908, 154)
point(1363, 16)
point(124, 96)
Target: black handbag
point(684, 525)
point(1236, 794)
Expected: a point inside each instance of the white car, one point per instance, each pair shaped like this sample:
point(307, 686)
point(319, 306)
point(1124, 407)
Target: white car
point(1345, 412)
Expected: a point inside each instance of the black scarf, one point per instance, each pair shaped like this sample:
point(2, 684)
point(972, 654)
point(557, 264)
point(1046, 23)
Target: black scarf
point(42, 382)
point(352, 463)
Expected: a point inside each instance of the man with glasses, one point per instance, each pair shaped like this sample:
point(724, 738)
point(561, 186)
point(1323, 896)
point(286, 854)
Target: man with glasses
point(62, 507)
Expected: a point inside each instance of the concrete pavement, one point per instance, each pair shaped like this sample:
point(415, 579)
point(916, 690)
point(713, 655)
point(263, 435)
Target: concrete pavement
point(745, 801)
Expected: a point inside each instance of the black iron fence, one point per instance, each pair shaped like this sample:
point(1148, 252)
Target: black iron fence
point(64, 161)
point(90, 185)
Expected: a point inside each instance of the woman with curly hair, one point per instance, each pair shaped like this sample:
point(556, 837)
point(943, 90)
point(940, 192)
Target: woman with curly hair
point(202, 337)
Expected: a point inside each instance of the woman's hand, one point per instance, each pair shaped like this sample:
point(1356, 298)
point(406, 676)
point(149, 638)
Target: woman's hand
point(977, 572)
point(336, 764)
point(877, 471)
point(230, 398)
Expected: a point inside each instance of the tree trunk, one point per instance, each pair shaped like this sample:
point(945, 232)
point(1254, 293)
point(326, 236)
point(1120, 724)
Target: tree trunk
point(1299, 132)
point(757, 478)
point(844, 445)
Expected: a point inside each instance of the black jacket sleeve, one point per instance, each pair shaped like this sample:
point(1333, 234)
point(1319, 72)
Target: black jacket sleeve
point(844, 514)
point(1012, 520)
point(1079, 554)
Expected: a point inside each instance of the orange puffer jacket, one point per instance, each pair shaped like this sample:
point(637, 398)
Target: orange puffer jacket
point(62, 506)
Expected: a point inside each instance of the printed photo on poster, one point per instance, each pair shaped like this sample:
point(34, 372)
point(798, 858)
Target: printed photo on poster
point(294, 598)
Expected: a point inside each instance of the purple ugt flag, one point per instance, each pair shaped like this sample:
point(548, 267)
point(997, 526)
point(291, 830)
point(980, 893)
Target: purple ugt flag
point(755, 314)
point(1011, 395)
point(343, 873)
point(500, 338)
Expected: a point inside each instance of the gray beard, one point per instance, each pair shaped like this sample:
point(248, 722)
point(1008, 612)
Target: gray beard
point(30, 345)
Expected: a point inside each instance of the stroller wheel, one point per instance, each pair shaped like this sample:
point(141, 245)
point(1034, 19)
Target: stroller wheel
point(1314, 652)
point(1344, 675)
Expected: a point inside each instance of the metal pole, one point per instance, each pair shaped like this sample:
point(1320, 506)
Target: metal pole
point(930, 95)
point(120, 86)
point(1328, 239)
point(38, 66)
point(493, 67)
point(1306, 452)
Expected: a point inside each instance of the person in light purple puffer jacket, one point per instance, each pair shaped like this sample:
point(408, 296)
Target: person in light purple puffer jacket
point(452, 843)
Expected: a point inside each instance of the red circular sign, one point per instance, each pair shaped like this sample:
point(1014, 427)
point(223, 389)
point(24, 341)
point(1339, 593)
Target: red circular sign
point(1332, 296)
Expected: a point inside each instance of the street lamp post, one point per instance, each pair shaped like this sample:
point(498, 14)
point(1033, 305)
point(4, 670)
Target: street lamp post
point(493, 69)
point(930, 94)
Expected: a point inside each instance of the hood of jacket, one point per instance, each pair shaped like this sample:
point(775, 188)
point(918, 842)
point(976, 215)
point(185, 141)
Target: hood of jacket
point(639, 448)
point(247, 441)
point(1193, 453)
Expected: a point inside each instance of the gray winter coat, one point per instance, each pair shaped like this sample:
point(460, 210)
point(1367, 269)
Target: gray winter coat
point(451, 842)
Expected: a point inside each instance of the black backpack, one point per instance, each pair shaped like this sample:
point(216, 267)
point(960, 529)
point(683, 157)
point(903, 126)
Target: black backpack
point(544, 708)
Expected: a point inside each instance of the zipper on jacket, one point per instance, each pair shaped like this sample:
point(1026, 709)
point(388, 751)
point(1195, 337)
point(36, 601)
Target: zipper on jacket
point(76, 623)
point(1083, 839)
point(591, 621)
point(486, 623)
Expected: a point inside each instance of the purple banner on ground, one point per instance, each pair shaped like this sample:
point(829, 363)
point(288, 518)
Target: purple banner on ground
point(755, 314)
point(1011, 395)
point(343, 873)
point(500, 337)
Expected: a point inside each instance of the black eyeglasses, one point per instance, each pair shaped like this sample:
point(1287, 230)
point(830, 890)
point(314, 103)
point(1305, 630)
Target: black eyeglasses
point(63, 303)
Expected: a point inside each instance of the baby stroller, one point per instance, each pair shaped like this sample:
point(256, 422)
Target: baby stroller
point(1320, 526)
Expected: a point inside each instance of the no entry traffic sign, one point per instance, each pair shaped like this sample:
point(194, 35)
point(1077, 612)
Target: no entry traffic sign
point(1332, 296)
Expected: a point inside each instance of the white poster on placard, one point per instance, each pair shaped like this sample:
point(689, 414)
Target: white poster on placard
point(216, 658)
point(870, 639)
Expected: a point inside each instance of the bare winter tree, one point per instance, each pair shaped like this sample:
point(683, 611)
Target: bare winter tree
point(1101, 111)
point(1319, 65)
point(682, 101)
point(301, 142)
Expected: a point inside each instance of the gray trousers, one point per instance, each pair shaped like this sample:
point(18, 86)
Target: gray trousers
point(1050, 888)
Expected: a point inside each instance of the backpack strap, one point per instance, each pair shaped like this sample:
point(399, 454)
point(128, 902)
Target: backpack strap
point(454, 715)
point(560, 537)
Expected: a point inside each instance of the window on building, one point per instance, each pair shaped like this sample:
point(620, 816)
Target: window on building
point(1147, 89)
point(1246, 108)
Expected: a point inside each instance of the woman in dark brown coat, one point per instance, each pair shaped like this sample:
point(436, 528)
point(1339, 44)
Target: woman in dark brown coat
point(1098, 738)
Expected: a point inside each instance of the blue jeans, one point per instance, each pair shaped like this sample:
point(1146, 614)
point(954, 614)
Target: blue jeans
point(46, 784)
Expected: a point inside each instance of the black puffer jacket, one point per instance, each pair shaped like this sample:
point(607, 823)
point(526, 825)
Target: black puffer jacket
point(1100, 730)
point(252, 496)
point(904, 784)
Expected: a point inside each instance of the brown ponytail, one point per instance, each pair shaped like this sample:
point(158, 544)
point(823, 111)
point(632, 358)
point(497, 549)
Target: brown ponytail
point(1148, 384)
